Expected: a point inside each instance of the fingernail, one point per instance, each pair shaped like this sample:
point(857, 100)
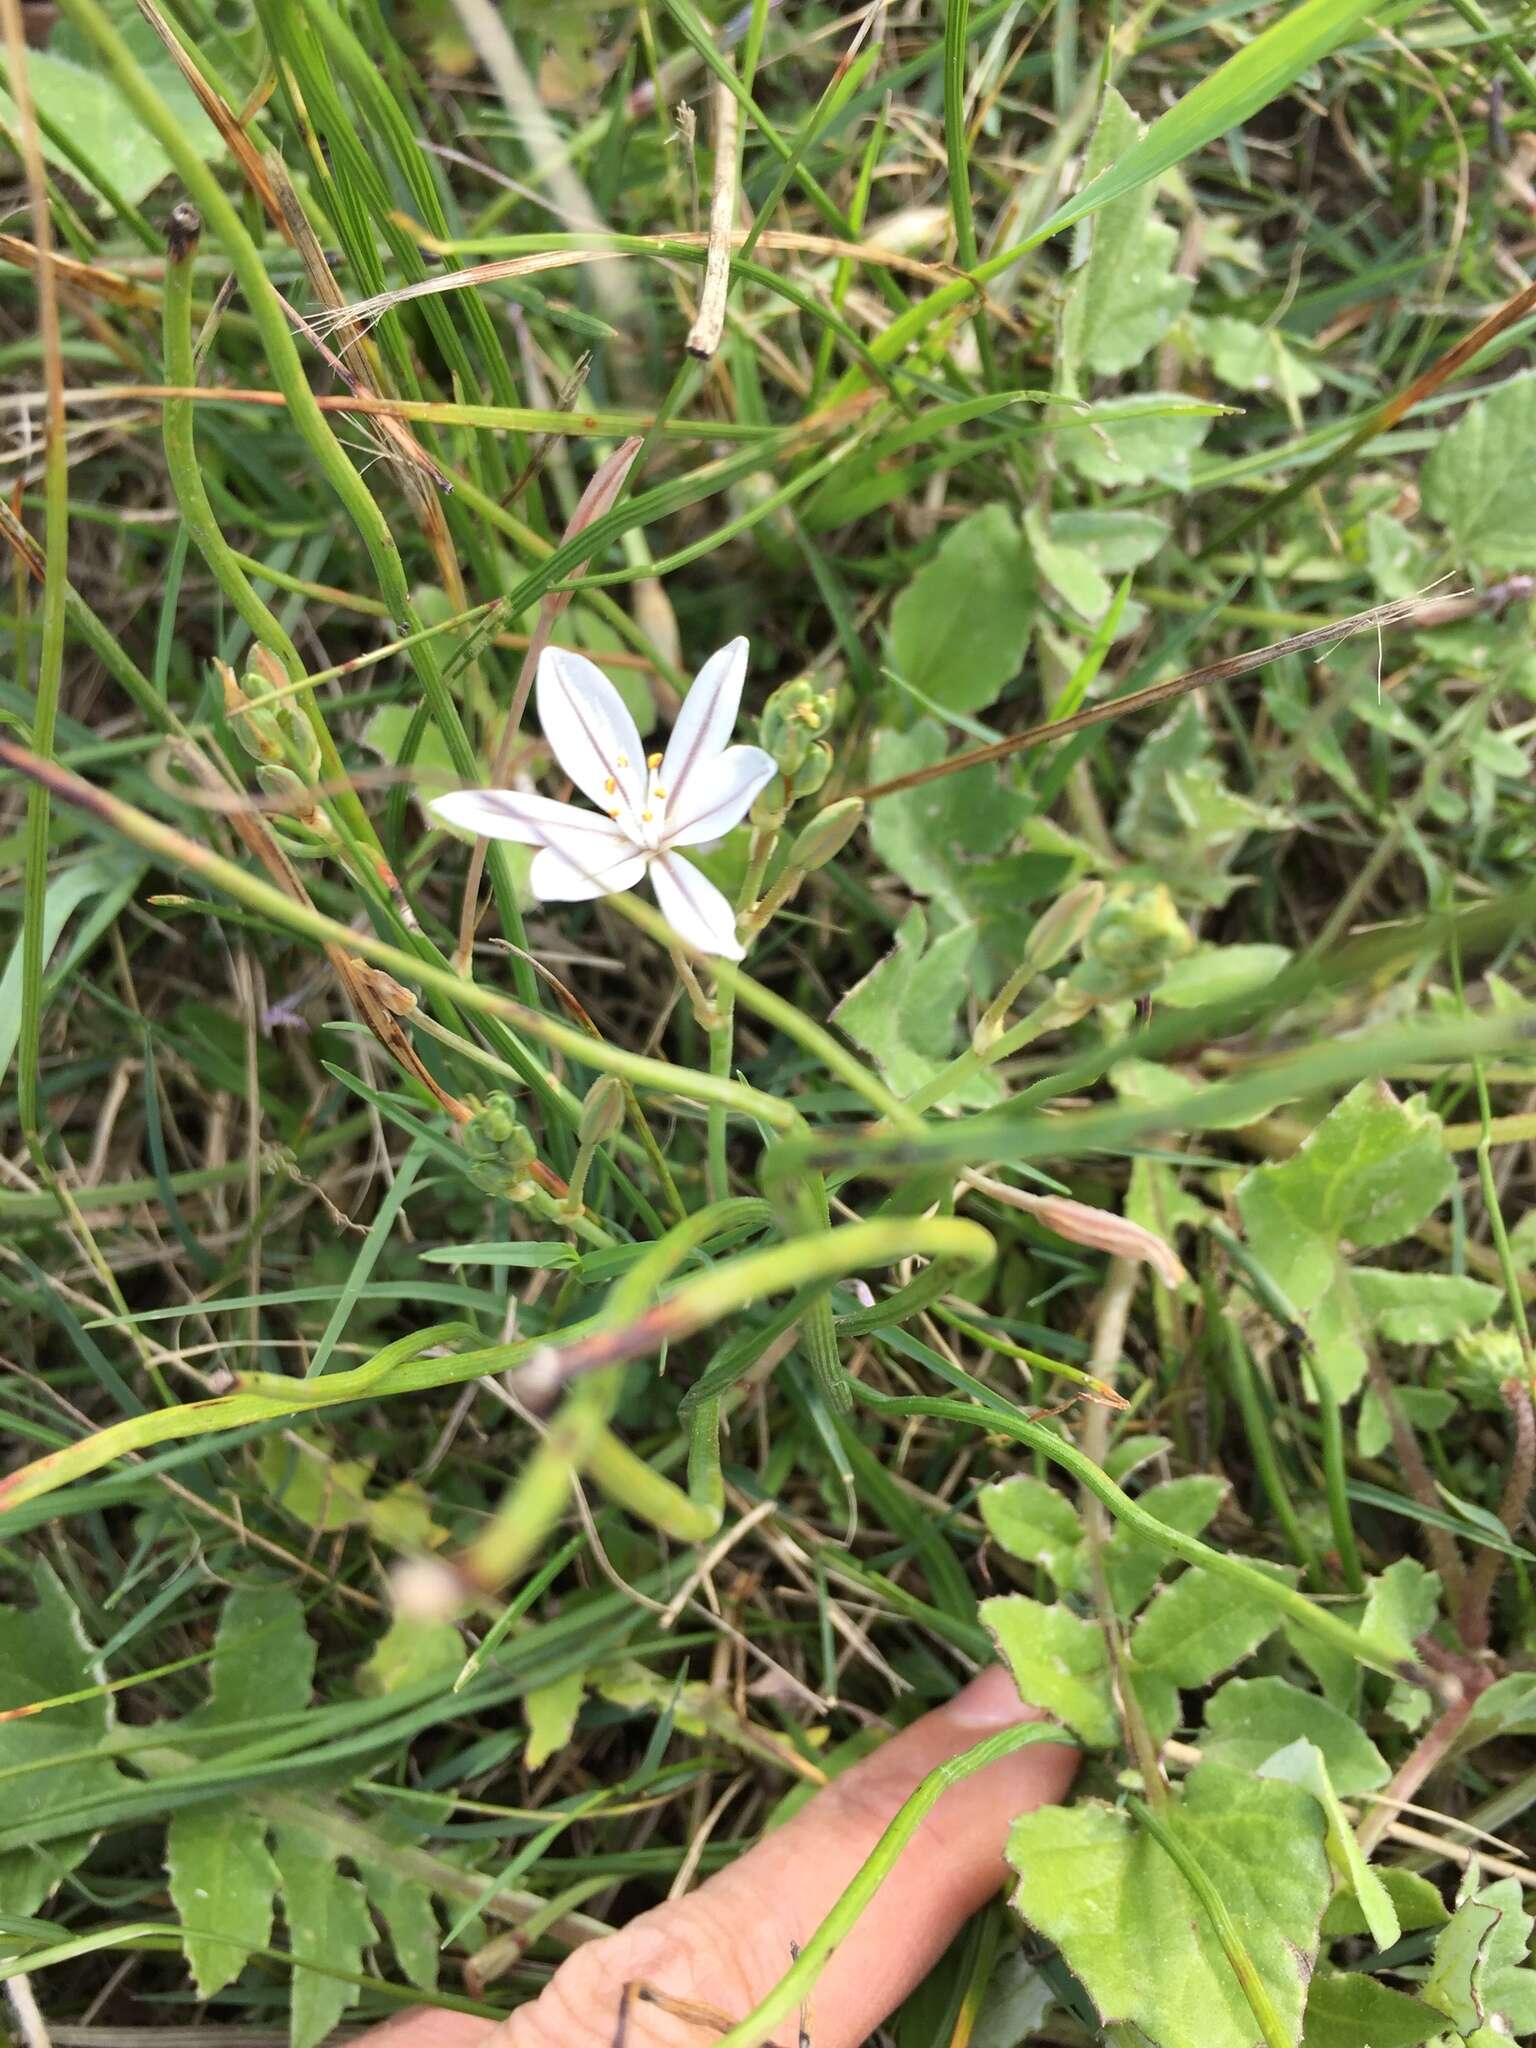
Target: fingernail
point(990, 1701)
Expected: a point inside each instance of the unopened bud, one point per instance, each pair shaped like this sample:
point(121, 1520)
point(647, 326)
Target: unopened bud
point(1133, 940)
point(603, 1110)
point(796, 720)
point(1063, 927)
point(497, 1148)
point(826, 835)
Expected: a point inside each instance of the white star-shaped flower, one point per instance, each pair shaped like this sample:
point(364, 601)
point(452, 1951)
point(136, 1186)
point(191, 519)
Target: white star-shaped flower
point(649, 805)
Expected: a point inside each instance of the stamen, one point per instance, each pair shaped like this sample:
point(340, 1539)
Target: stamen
point(660, 792)
point(653, 760)
point(614, 815)
point(645, 817)
point(611, 787)
point(623, 760)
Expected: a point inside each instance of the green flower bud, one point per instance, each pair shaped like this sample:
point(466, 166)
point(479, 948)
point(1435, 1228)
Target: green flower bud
point(602, 1113)
point(1063, 927)
point(826, 835)
point(1136, 936)
point(266, 719)
point(498, 1149)
point(796, 722)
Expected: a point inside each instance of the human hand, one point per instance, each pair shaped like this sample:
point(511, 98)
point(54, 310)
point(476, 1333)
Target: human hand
point(716, 1952)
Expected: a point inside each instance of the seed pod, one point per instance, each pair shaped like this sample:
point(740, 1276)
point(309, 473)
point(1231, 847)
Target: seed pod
point(602, 1112)
point(1063, 927)
point(826, 835)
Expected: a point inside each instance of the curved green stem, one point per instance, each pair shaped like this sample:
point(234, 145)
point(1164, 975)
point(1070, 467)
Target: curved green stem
point(794, 1987)
point(1272, 1592)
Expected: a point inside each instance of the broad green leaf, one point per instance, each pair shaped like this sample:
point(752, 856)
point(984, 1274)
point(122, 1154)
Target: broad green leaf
point(1253, 358)
point(1114, 541)
point(1058, 1661)
point(222, 1886)
point(1180, 818)
point(1250, 1718)
point(1134, 1934)
point(1147, 437)
point(1477, 479)
point(1508, 1707)
point(1122, 294)
point(404, 1904)
point(328, 1927)
point(907, 1010)
point(1200, 1625)
point(1403, 1604)
point(45, 1655)
point(1371, 1172)
point(1301, 1763)
point(1069, 572)
point(87, 107)
point(1427, 1408)
point(1424, 1308)
point(1220, 974)
point(409, 1651)
point(1397, 557)
point(1480, 1978)
point(551, 1712)
point(953, 841)
point(263, 1657)
point(332, 1493)
point(1345, 2011)
point(1415, 1901)
point(960, 628)
point(1035, 1522)
point(1132, 1563)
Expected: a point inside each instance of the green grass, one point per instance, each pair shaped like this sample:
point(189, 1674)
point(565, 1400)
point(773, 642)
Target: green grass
point(1067, 360)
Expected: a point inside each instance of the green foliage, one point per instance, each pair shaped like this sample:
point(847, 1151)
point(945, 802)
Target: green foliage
point(959, 629)
point(410, 1275)
point(1121, 1912)
point(44, 1656)
point(1474, 481)
point(1372, 1171)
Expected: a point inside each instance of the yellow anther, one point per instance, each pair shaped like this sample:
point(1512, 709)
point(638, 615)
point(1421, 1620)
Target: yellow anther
point(660, 791)
point(614, 815)
point(611, 786)
point(623, 760)
point(645, 817)
point(653, 760)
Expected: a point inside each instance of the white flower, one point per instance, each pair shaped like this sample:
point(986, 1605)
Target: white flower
point(649, 804)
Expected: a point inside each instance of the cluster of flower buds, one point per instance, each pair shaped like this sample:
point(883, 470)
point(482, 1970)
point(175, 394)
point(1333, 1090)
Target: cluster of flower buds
point(499, 1149)
point(796, 729)
point(1132, 942)
point(269, 725)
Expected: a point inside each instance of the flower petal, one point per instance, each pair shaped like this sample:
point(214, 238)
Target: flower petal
point(529, 820)
point(706, 720)
point(717, 796)
point(593, 736)
point(555, 877)
point(694, 907)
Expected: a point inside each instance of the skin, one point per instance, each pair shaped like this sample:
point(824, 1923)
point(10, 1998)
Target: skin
point(722, 1947)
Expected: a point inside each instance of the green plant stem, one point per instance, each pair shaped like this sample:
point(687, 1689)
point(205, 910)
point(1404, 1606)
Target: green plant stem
point(722, 1037)
point(1223, 1926)
point(1262, 1450)
point(1306, 1613)
point(1336, 1478)
point(795, 1986)
point(50, 667)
